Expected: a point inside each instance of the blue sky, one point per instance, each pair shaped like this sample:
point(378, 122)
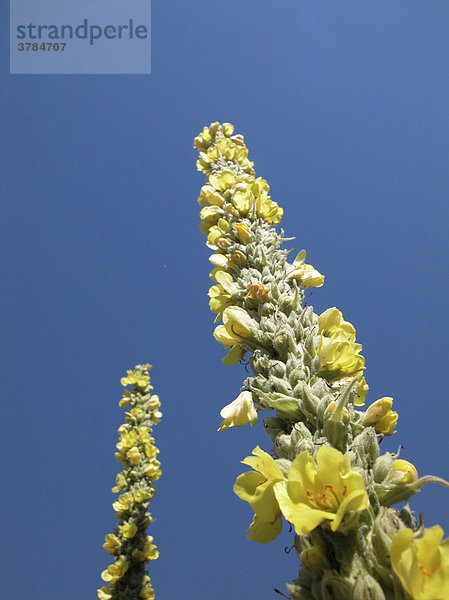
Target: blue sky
point(344, 108)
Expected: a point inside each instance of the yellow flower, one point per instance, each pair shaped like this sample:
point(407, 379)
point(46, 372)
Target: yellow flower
point(404, 472)
point(210, 197)
point(133, 456)
point(222, 295)
point(237, 324)
point(141, 495)
point(111, 543)
point(219, 260)
point(147, 592)
point(239, 412)
point(306, 275)
point(269, 210)
point(256, 488)
point(232, 151)
point(129, 530)
point(339, 358)
point(210, 215)
point(258, 291)
point(222, 180)
point(318, 492)
point(243, 200)
point(243, 232)
point(148, 553)
point(422, 564)
point(237, 260)
point(331, 322)
point(227, 129)
point(238, 321)
point(115, 571)
point(103, 594)
point(217, 236)
point(123, 503)
point(136, 378)
point(205, 138)
point(235, 354)
point(380, 416)
point(127, 440)
point(362, 388)
point(338, 352)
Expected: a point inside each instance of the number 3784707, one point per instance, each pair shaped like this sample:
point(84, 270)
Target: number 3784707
point(42, 46)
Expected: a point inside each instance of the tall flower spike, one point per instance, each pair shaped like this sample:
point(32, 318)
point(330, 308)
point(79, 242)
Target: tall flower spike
point(326, 475)
point(130, 545)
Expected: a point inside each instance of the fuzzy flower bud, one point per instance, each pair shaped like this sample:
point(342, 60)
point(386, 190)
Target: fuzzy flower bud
point(404, 471)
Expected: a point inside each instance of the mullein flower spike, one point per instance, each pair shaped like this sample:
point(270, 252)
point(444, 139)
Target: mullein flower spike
point(326, 476)
point(132, 548)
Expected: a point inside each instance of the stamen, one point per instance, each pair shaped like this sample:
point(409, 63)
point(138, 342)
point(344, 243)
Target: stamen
point(424, 571)
point(333, 492)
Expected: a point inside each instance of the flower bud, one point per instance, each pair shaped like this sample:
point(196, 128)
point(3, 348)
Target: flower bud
point(314, 560)
point(382, 467)
point(243, 232)
point(258, 291)
point(366, 444)
point(330, 410)
point(404, 472)
point(275, 426)
point(380, 416)
point(367, 588)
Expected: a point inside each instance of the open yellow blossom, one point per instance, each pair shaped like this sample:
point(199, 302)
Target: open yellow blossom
point(239, 412)
point(124, 502)
point(111, 543)
point(222, 180)
point(221, 295)
point(338, 353)
point(318, 492)
point(115, 571)
point(136, 378)
point(306, 275)
point(339, 358)
point(149, 551)
point(103, 593)
point(209, 196)
point(129, 530)
point(380, 416)
point(331, 322)
point(205, 138)
point(256, 488)
point(235, 354)
point(210, 215)
point(422, 564)
point(237, 324)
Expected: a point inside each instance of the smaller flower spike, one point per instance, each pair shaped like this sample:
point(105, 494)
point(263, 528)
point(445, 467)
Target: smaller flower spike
point(130, 544)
